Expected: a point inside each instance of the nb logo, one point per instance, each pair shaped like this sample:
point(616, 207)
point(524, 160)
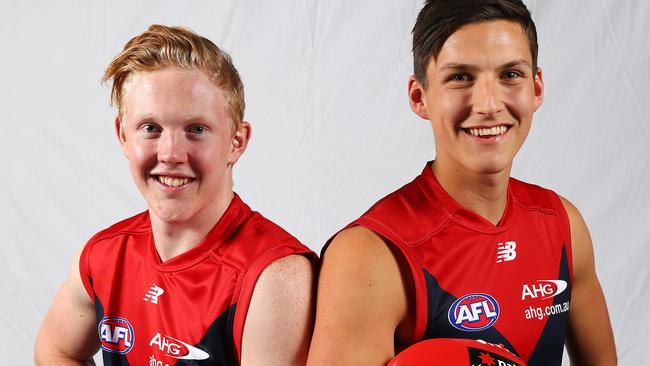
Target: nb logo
point(153, 293)
point(506, 251)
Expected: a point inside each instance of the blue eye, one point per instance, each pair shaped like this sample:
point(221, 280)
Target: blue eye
point(196, 129)
point(150, 128)
point(459, 77)
point(511, 75)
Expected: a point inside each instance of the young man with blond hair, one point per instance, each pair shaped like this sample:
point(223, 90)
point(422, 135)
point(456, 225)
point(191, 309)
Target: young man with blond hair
point(199, 278)
point(464, 250)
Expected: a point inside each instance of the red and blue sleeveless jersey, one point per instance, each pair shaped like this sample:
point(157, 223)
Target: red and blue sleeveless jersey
point(190, 309)
point(508, 284)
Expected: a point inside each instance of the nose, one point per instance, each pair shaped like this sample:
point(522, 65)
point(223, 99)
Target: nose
point(172, 149)
point(486, 97)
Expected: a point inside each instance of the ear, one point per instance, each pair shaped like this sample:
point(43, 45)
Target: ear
point(239, 142)
point(121, 135)
point(539, 88)
point(416, 98)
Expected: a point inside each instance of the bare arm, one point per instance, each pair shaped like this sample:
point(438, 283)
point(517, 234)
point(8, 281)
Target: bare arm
point(589, 339)
point(68, 333)
point(361, 302)
point(279, 321)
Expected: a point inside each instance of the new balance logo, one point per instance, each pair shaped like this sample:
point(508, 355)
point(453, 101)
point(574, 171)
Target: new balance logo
point(506, 251)
point(153, 294)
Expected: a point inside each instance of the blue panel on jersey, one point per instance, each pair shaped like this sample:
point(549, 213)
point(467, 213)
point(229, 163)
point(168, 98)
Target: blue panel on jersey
point(109, 358)
point(549, 349)
point(438, 326)
point(218, 342)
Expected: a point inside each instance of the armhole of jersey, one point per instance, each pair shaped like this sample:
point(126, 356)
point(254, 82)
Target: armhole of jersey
point(246, 286)
point(566, 228)
point(417, 276)
point(84, 270)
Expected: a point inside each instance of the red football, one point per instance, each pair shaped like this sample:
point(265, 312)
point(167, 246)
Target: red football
point(453, 352)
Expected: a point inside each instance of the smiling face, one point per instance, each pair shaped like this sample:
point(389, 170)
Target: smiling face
point(480, 96)
point(176, 133)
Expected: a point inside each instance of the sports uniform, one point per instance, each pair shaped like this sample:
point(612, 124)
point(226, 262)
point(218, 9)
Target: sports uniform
point(508, 284)
point(189, 309)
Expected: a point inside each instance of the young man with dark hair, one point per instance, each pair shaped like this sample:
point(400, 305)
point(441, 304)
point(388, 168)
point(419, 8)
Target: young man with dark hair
point(464, 250)
point(199, 278)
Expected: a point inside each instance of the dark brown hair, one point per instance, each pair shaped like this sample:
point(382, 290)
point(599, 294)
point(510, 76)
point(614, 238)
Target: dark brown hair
point(439, 19)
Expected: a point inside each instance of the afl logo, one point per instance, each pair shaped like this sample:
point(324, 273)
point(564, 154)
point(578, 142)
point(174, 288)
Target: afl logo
point(116, 334)
point(474, 312)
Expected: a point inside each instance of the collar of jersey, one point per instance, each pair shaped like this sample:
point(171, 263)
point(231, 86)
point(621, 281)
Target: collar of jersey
point(234, 215)
point(460, 214)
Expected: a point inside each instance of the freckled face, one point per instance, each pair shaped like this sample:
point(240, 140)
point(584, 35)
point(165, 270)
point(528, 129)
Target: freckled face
point(481, 96)
point(176, 133)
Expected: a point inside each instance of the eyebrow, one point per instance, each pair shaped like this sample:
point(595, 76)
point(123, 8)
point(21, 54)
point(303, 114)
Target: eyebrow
point(468, 67)
point(153, 118)
point(520, 62)
point(457, 66)
point(144, 117)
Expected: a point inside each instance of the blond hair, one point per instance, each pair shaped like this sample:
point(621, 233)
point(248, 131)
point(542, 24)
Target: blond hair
point(162, 46)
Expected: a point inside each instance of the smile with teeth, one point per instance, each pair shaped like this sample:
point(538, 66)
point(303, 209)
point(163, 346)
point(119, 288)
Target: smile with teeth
point(487, 132)
point(172, 181)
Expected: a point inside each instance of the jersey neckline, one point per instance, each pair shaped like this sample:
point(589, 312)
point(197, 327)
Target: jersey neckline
point(460, 214)
point(234, 215)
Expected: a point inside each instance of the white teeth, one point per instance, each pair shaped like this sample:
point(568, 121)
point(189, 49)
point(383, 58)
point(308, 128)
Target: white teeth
point(494, 131)
point(173, 182)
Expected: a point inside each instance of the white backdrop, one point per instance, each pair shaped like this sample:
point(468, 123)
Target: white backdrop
point(332, 131)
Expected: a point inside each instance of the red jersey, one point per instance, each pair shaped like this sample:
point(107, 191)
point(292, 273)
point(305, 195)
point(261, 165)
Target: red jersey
point(507, 284)
point(189, 309)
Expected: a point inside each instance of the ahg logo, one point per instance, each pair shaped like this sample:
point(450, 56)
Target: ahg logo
point(506, 251)
point(543, 288)
point(178, 349)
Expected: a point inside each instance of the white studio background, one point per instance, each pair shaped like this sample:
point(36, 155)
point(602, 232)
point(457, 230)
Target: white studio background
point(332, 131)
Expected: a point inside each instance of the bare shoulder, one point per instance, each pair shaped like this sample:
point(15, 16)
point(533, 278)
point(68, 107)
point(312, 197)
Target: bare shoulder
point(67, 334)
point(582, 248)
point(282, 303)
point(361, 275)
point(359, 259)
point(289, 268)
point(357, 245)
point(358, 263)
point(286, 282)
point(571, 210)
point(578, 224)
point(362, 271)
point(589, 335)
point(290, 277)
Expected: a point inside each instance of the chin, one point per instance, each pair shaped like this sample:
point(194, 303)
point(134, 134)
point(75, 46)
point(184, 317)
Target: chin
point(489, 165)
point(170, 213)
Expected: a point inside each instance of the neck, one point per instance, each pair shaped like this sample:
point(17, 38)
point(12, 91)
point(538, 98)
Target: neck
point(484, 194)
point(174, 238)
